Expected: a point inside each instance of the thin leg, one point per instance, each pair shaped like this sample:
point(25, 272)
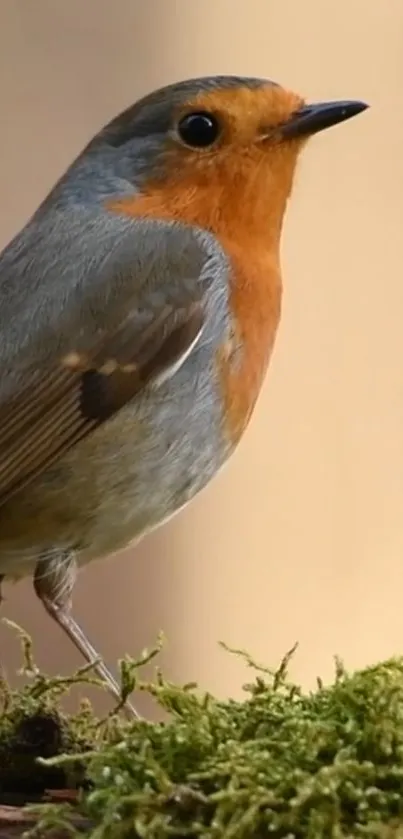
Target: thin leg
point(54, 580)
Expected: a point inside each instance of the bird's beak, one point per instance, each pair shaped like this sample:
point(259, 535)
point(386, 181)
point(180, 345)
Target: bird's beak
point(313, 118)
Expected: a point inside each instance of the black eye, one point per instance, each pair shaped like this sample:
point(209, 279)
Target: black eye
point(198, 129)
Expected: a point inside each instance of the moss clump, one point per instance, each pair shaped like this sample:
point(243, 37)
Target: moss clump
point(32, 725)
point(282, 763)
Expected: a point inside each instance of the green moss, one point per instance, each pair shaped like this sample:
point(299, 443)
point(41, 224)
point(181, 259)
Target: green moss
point(32, 725)
point(282, 763)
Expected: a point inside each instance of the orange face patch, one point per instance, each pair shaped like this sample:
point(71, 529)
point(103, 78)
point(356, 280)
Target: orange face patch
point(237, 191)
point(246, 112)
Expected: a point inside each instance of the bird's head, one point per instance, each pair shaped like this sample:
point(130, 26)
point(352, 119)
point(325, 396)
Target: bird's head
point(217, 148)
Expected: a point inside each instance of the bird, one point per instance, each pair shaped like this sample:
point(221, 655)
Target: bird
point(139, 307)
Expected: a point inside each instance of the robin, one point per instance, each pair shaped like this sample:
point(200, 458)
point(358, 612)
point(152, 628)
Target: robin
point(138, 312)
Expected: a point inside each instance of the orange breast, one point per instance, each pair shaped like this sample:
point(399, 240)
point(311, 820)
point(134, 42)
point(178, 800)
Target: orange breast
point(255, 294)
point(255, 300)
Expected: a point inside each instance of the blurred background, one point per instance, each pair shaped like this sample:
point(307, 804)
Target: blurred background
point(301, 537)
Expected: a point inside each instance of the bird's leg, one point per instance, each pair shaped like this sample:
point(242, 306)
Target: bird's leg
point(54, 580)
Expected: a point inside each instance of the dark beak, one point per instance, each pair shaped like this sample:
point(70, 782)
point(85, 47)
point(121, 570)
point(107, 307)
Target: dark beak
point(313, 118)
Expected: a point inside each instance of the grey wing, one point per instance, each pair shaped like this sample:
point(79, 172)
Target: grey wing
point(125, 319)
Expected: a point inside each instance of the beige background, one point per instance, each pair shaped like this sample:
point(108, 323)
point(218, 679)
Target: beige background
point(301, 537)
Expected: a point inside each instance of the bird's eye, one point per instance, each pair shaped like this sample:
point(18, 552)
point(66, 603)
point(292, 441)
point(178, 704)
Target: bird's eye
point(198, 130)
